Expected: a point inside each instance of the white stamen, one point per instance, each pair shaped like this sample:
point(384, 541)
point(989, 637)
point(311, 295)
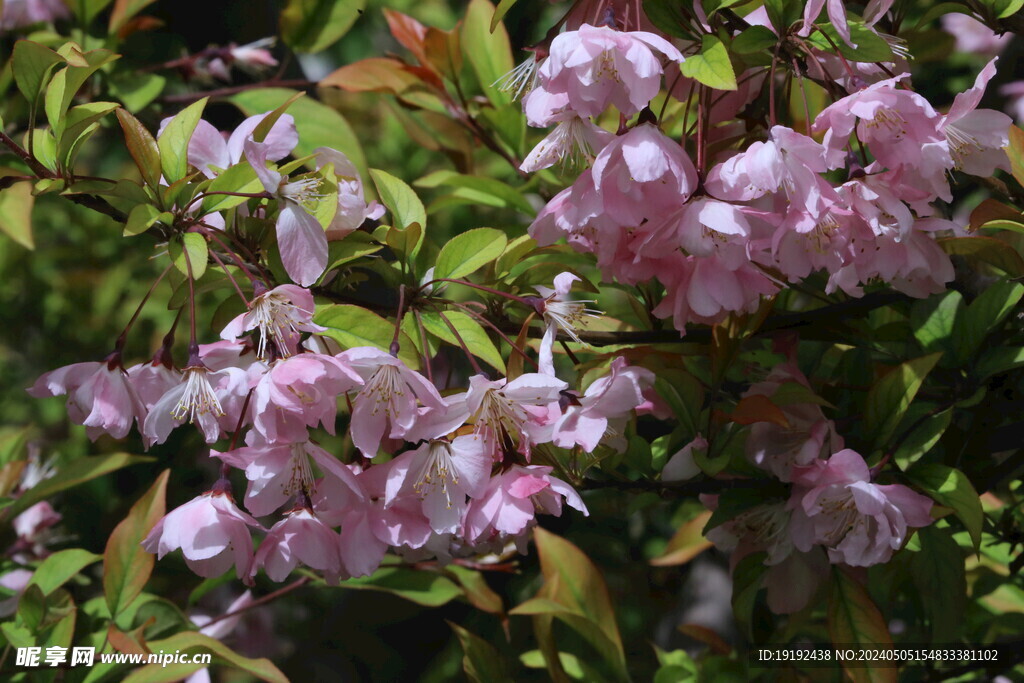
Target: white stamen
point(198, 397)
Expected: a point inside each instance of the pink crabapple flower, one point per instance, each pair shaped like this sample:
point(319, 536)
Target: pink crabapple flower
point(253, 58)
point(16, 14)
point(33, 528)
point(861, 524)
point(219, 629)
point(561, 313)
point(642, 175)
point(299, 392)
point(836, 10)
point(973, 36)
point(682, 466)
point(512, 414)
point(597, 65)
point(442, 474)
point(211, 531)
point(602, 411)
point(300, 536)
point(352, 207)
point(369, 525)
point(512, 500)
point(977, 137)
point(100, 396)
point(277, 472)
point(213, 152)
point(301, 239)
point(574, 142)
point(279, 314)
point(153, 379)
point(192, 400)
point(386, 405)
point(807, 436)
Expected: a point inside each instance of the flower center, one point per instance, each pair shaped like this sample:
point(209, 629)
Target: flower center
point(198, 397)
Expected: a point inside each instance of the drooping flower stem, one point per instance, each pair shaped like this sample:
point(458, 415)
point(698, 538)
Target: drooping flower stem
point(524, 301)
point(211, 232)
point(123, 337)
point(458, 338)
point(485, 321)
point(423, 343)
point(395, 346)
point(231, 277)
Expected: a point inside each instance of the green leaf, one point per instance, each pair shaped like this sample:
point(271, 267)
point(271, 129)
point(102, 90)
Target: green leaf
point(136, 90)
point(126, 566)
point(422, 587)
point(238, 178)
point(854, 620)
point(191, 256)
point(983, 316)
point(141, 219)
point(1015, 150)
point(481, 662)
point(73, 473)
point(500, 11)
point(933, 319)
point(923, 438)
point(61, 567)
point(998, 360)
point(477, 591)
point(487, 48)
point(32, 607)
point(314, 25)
point(987, 250)
point(938, 574)
point(405, 242)
point(355, 245)
point(951, 487)
point(473, 335)
point(684, 395)
point(173, 141)
point(870, 46)
point(575, 593)
point(465, 253)
point(66, 82)
point(353, 326)
point(33, 65)
point(754, 39)
point(486, 191)
point(16, 204)
point(142, 147)
point(194, 642)
point(937, 11)
point(890, 397)
point(711, 66)
point(400, 199)
point(784, 13)
point(318, 125)
point(82, 121)
point(667, 15)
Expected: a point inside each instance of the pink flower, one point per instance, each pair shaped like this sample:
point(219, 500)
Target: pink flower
point(19, 13)
point(442, 474)
point(254, 57)
point(279, 472)
point(33, 529)
point(682, 466)
point(211, 531)
point(193, 400)
point(574, 142)
point(512, 415)
point(787, 162)
point(100, 396)
point(603, 409)
point(300, 237)
point(807, 437)
point(280, 314)
point(299, 392)
point(874, 11)
point(561, 313)
point(835, 504)
point(596, 66)
point(369, 525)
point(641, 175)
point(386, 404)
point(212, 152)
point(973, 36)
point(898, 126)
point(153, 379)
point(977, 136)
point(300, 537)
point(353, 210)
point(511, 501)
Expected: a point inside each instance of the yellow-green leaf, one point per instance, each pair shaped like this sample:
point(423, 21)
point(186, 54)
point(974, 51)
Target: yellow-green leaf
point(711, 66)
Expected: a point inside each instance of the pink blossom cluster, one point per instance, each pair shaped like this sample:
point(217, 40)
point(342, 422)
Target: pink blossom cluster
point(764, 215)
point(835, 512)
point(437, 475)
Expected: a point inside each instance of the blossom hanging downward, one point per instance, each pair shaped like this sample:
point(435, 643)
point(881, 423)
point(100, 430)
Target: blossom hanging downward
point(300, 237)
point(279, 314)
point(561, 313)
